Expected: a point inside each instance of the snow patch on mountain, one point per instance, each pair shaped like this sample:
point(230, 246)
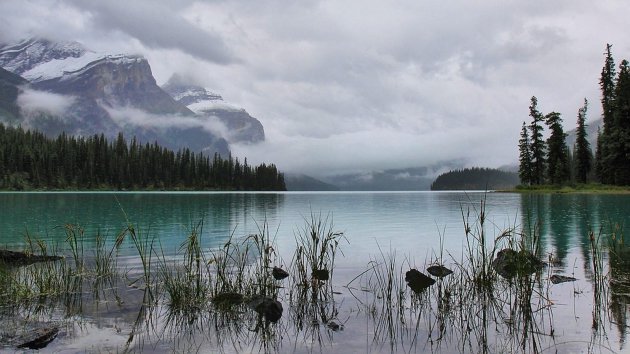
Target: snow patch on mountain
point(25, 55)
point(207, 106)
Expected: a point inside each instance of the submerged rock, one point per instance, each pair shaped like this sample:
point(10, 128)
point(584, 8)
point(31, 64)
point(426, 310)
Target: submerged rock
point(418, 281)
point(320, 274)
point(279, 273)
point(509, 263)
point(334, 326)
point(439, 271)
point(15, 258)
point(228, 299)
point(269, 308)
point(557, 279)
point(38, 338)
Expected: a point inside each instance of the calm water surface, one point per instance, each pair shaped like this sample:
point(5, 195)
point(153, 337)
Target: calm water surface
point(412, 224)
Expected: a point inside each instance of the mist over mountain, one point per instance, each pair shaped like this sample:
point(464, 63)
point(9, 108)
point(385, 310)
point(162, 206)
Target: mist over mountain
point(405, 179)
point(9, 89)
point(239, 126)
point(59, 87)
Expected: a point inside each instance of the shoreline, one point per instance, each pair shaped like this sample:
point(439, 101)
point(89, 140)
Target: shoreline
point(579, 189)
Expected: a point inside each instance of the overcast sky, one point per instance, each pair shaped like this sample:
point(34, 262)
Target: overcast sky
point(351, 86)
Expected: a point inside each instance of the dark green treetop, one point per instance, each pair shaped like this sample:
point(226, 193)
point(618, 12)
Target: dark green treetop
point(557, 158)
point(525, 157)
point(537, 144)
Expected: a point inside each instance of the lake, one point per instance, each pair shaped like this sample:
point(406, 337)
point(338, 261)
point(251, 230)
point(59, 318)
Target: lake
point(415, 228)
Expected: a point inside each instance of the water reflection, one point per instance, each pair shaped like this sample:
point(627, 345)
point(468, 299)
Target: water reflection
point(527, 315)
point(165, 216)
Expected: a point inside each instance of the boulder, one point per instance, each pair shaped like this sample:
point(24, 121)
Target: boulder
point(38, 338)
point(557, 279)
point(266, 307)
point(228, 299)
point(15, 258)
point(509, 263)
point(320, 274)
point(418, 281)
point(279, 273)
point(439, 271)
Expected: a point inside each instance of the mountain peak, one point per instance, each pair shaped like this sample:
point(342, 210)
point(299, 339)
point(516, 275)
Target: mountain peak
point(189, 94)
point(25, 55)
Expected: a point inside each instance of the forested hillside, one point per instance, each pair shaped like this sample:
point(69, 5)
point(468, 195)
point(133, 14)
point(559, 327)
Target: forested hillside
point(475, 179)
point(30, 160)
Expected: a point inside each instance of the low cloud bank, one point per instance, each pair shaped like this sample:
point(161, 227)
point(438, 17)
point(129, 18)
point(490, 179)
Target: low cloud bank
point(375, 149)
point(33, 102)
point(124, 116)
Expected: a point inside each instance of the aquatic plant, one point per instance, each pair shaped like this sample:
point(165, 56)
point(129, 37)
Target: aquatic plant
point(316, 247)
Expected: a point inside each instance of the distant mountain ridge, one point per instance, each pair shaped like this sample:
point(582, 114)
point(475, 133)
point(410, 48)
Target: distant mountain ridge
point(403, 179)
point(68, 88)
point(241, 127)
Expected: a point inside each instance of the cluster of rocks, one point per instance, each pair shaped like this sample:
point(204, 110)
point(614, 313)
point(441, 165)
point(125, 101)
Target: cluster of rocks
point(419, 281)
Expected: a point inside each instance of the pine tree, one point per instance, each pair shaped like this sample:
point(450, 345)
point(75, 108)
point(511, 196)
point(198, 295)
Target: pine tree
point(525, 157)
point(537, 144)
point(598, 156)
point(607, 85)
point(557, 157)
point(606, 140)
point(583, 154)
point(620, 134)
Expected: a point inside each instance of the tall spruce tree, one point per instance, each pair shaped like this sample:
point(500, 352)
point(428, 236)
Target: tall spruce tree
point(557, 156)
point(606, 139)
point(607, 85)
point(537, 144)
point(598, 156)
point(620, 134)
point(583, 154)
point(525, 157)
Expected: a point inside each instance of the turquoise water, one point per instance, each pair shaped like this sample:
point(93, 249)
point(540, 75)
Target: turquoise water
point(411, 222)
point(414, 225)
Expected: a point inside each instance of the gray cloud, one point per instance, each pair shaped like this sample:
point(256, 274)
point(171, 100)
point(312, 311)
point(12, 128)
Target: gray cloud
point(157, 24)
point(128, 116)
point(362, 85)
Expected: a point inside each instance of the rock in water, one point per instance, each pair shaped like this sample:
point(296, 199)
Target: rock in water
point(439, 271)
point(557, 279)
point(509, 263)
point(14, 258)
point(418, 281)
point(39, 338)
point(321, 274)
point(269, 308)
point(279, 273)
point(228, 299)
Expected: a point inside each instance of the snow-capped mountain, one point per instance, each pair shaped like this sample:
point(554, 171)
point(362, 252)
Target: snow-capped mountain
point(24, 56)
point(75, 90)
point(241, 127)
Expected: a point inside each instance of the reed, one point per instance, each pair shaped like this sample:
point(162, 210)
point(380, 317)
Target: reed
point(317, 245)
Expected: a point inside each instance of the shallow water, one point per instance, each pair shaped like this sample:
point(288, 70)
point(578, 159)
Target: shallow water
point(415, 226)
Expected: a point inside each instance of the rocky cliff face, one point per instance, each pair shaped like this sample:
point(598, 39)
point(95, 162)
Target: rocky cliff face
point(240, 126)
point(10, 84)
point(104, 94)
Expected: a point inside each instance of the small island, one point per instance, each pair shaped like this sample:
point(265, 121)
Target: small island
point(475, 178)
